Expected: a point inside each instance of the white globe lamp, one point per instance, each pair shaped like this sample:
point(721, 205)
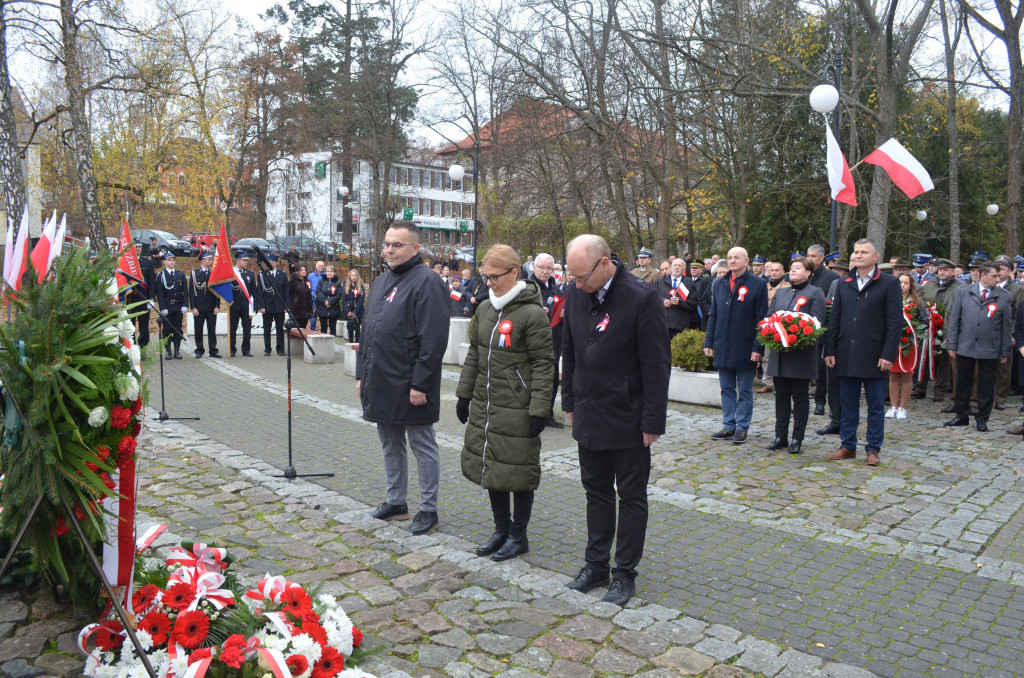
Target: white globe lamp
point(824, 98)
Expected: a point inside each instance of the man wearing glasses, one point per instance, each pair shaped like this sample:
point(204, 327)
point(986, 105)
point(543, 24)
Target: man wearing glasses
point(615, 367)
point(398, 372)
point(551, 293)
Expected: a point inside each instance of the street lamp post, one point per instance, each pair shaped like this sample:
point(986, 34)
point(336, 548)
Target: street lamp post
point(825, 99)
point(457, 172)
point(346, 219)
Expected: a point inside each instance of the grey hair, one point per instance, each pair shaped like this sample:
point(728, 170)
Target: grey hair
point(867, 241)
point(816, 248)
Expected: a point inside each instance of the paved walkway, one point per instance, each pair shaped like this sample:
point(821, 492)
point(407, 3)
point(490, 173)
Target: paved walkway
point(908, 569)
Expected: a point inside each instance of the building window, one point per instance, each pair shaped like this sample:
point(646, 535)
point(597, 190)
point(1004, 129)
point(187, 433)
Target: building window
point(437, 208)
point(414, 177)
point(339, 226)
point(437, 180)
point(415, 205)
point(447, 209)
point(356, 167)
point(181, 179)
point(392, 175)
point(304, 165)
point(456, 185)
point(447, 183)
point(289, 229)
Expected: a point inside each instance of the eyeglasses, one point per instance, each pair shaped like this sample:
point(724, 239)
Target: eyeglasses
point(583, 281)
point(488, 279)
point(397, 245)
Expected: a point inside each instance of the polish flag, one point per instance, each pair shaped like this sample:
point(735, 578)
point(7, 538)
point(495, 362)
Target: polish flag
point(906, 172)
point(16, 262)
point(58, 242)
point(839, 177)
point(41, 252)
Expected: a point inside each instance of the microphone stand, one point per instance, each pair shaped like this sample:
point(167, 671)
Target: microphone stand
point(162, 416)
point(289, 471)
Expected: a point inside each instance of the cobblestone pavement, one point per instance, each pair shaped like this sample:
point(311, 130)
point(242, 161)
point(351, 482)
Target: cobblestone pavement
point(912, 568)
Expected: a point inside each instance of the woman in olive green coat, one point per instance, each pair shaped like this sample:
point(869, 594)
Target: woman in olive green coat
point(505, 395)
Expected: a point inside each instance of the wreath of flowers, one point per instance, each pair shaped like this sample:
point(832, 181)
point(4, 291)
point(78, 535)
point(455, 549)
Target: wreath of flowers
point(785, 331)
point(912, 328)
point(194, 627)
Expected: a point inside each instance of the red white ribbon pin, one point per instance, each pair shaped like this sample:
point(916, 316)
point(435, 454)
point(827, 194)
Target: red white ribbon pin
point(392, 295)
point(991, 310)
point(505, 328)
point(742, 292)
point(603, 325)
point(673, 292)
point(800, 302)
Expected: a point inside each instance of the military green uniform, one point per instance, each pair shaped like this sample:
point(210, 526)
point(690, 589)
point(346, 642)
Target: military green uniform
point(647, 273)
point(935, 292)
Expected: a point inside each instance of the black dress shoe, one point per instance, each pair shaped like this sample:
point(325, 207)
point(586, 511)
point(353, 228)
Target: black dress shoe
point(958, 421)
point(831, 429)
point(819, 410)
point(949, 409)
point(177, 355)
point(739, 437)
point(513, 548)
point(267, 352)
point(794, 447)
point(982, 427)
point(588, 579)
point(778, 444)
point(199, 354)
point(496, 541)
point(620, 592)
point(552, 423)
point(724, 434)
point(280, 353)
point(247, 354)
point(425, 522)
point(917, 395)
point(168, 356)
point(388, 511)
point(233, 353)
point(214, 354)
point(1000, 406)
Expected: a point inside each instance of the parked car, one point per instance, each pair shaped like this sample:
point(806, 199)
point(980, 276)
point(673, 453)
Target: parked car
point(205, 241)
point(305, 246)
point(167, 242)
point(249, 245)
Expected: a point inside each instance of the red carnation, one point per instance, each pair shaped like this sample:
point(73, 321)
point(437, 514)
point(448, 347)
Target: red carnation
point(144, 597)
point(157, 625)
point(357, 637)
point(330, 664)
point(808, 331)
point(297, 664)
point(126, 447)
point(79, 512)
point(236, 640)
point(792, 338)
point(179, 596)
point(296, 601)
point(102, 453)
point(124, 462)
point(120, 417)
point(789, 318)
point(108, 635)
point(793, 328)
point(904, 340)
point(199, 655)
point(191, 629)
point(61, 528)
point(137, 405)
point(776, 337)
point(136, 429)
point(233, 657)
point(91, 466)
point(310, 617)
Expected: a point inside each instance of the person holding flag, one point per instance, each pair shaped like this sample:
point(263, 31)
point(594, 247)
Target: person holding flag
point(172, 295)
point(141, 292)
point(678, 298)
point(204, 304)
point(241, 308)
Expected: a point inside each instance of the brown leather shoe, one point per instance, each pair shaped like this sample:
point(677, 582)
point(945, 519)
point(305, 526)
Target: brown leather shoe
point(842, 453)
point(1000, 406)
point(765, 389)
point(1019, 431)
point(872, 458)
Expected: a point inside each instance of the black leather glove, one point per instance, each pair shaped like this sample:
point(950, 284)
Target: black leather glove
point(462, 410)
point(537, 425)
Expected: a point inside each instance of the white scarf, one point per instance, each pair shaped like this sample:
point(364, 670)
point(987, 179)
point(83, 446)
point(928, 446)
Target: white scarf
point(500, 302)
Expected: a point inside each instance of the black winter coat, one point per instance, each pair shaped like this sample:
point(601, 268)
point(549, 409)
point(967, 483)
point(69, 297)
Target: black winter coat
point(328, 297)
point(615, 363)
point(732, 323)
point(801, 363)
point(404, 337)
point(354, 301)
point(865, 325)
point(679, 316)
point(299, 297)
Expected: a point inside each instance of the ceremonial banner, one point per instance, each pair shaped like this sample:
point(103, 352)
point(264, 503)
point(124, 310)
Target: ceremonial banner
point(223, 273)
point(839, 177)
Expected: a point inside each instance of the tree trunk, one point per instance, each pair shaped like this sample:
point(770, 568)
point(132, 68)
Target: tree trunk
point(949, 44)
point(81, 146)
point(1011, 227)
point(881, 185)
point(10, 151)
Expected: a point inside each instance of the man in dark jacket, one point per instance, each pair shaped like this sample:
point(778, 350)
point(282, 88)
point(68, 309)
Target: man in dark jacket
point(398, 371)
point(551, 293)
point(271, 305)
point(862, 343)
point(679, 297)
point(696, 283)
point(475, 291)
point(738, 302)
point(615, 367)
point(205, 305)
point(821, 277)
point(142, 292)
point(241, 307)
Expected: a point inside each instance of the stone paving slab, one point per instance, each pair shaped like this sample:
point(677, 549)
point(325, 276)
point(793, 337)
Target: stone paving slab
point(745, 568)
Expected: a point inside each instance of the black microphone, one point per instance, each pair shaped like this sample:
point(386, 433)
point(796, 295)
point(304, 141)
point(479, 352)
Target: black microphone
point(130, 276)
point(261, 257)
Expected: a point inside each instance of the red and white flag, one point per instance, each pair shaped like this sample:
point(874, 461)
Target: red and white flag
point(16, 259)
point(906, 172)
point(839, 177)
point(129, 263)
point(41, 252)
point(58, 242)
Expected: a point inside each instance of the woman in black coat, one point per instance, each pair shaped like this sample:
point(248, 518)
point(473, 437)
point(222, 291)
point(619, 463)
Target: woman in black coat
point(793, 370)
point(328, 301)
point(353, 304)
point(299, 297)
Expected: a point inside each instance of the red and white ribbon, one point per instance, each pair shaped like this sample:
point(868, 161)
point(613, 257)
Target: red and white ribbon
point(603, 325)
point(505, 329)
point(208, 587)
point(198, 670)
point(269, 588)
point(800, 302)
point(913, 341)
point(742, 292)
point(991, 310)
point(275, 659)
point(783, 333)
point(147, 539)
point(204, 557)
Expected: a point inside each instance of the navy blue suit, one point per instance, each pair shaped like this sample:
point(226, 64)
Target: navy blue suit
point(732, 333)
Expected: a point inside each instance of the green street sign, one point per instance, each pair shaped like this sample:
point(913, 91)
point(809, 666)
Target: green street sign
point(320, 169)
point(463, 225)
point(407, 213)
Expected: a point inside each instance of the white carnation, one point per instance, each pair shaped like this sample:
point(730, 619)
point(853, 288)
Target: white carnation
point(275, 642)
point(98, 416)
point(306, 646)
point(180, 664)
point(111, 333)
point(134, 354)
point(327, 600)
point(125, 329)
point(145, 640)
point(127, 386)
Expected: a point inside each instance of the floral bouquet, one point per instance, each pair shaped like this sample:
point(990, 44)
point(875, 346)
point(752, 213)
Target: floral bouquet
point(912, 329)
point(194, 626)
point(789, 331)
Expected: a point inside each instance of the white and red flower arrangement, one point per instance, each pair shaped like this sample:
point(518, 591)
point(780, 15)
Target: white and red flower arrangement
point(195, 627)
point(789, 331)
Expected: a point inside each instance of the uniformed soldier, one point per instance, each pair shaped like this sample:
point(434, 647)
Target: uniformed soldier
point(205, 305)
point(142, 292)
point(272, 305)
point(240, 306)
point(644, 270)
point(940, 292)
point(757, 266)
point(171, 294)
point(921, 274)
point(1004, 370)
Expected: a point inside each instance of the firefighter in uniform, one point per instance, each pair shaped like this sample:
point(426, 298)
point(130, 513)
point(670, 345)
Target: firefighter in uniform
point(171, 294)
point(205, 305)
point(143, 292)
point(240, 305)
point(272, 305)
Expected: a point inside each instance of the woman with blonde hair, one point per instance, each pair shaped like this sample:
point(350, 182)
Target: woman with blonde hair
point(354, 302)
point(505, 396)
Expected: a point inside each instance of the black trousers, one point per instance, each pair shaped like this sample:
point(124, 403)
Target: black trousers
point(791, 396)
point(240, 317)
point(986, 386)
point(208, 318)
point(505, 520)
point(604, 472)
point(143, 328)
point(328, 325)
point(821, 383)
point(834, 402)
point(557, 380)
point(277, 319)
point(173, 319)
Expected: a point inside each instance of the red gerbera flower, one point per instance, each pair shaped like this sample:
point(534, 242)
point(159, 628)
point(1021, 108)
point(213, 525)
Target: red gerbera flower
point(108, 636)
point(296, 601)
point(357, 637)
point(330, 664)
point(297, 664)
point(179, 596)
point(191, 629)
point(199, 655)
point(316, 632)
point(144, 597)
point(158, 625)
